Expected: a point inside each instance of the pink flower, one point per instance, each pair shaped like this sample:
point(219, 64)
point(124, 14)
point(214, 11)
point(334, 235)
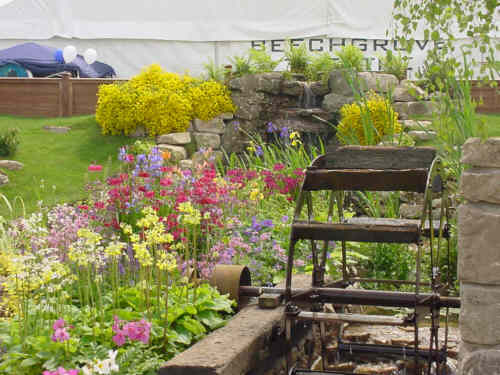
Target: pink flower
point(62, 371)
point(95, 168)
point(60, 333)
point(149, 194)
point(120, 338)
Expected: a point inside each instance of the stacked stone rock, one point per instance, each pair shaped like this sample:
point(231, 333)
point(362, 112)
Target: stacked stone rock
point(479, 258)
point(11, 165)
point(203, 136)
point(408, 99)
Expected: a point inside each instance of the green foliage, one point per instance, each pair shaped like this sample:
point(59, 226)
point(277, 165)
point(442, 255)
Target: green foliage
point(434, 76)
point(298, 57)
point(261, 61)
point(9, 140)
point(241, 65)
point(214, 72)
point(351, 57)
point(193, 313)
point(320, 66)
point(142, 146)
point(444, 20)
point(394, 64)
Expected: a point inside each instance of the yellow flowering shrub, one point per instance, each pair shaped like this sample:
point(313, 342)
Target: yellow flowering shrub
point(367, 122)
point(160, 101)
point(210, 99)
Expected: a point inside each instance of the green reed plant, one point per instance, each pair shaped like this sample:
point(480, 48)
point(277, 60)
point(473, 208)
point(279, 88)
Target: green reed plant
point(322, 63)
point(214, 72)
point(297, 57)
point(261, 61)
point(9, 141)
point(395, 64)
point(350, 57)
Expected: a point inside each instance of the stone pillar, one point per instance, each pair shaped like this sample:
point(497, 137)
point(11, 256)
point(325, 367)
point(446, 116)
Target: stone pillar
point(479, 258)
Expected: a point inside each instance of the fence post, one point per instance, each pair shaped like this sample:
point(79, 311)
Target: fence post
point(66, 96)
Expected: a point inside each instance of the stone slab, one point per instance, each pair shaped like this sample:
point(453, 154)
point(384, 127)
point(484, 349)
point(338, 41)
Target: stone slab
point(478, 239)
point(215, 125)
point(480, 309)
point(378, 82)
point(234, 348)
point(481, 185)
point(481, 362)
point(177, 152)
point(422, 135)
point(174, 138)
point(207, 140)
point(11, 165)
point(482, 154)
point(333, 102)
point(57, 129)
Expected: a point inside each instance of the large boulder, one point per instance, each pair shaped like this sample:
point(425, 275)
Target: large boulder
point(333, 102)
point(215, 125)
point(338, 83)
point(249, 104)
point(264, 82)
point(378, 82)
point(174, 138)
point(481, 362)
point(11, 165)
point(177, 152)
point(207, 140)
point(407, 91)
point(292, 88)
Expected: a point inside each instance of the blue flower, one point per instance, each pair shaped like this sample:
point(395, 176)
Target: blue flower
point(285, 133)
point(271, 128)
point(258, 151)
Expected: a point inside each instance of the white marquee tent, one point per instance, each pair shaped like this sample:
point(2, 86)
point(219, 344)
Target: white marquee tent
point(183, 35)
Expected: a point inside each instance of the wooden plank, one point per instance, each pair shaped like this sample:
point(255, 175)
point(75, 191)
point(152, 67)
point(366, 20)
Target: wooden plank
point(355, 233)
point(372, 180)
point(376, 157)
point(364, 220)
point(381, 320)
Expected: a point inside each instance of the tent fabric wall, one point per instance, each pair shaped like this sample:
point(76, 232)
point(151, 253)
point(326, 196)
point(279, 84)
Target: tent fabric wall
point(183, 35)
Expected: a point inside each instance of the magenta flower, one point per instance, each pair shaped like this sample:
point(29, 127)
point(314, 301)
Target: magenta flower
point(120, 338)
point(60, 332)
point(95, 168)
point(62, 371)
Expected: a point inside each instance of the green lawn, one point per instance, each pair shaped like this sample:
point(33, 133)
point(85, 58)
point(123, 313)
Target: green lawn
point(492, 123)
point(55, 164)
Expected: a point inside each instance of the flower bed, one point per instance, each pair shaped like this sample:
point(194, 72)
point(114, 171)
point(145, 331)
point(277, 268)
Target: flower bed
point(114, 285)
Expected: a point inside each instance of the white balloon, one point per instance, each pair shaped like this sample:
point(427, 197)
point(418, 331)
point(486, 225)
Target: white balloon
point(90, 56)
point(69, 54)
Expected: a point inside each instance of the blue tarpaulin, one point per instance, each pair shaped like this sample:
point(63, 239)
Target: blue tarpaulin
point(43, 61)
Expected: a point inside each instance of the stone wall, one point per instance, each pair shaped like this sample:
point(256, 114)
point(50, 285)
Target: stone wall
point(479, 258)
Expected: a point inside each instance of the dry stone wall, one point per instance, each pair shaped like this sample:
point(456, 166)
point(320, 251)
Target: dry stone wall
point(479, 258)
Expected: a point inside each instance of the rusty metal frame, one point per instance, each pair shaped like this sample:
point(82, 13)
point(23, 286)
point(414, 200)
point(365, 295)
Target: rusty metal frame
point(434, 301)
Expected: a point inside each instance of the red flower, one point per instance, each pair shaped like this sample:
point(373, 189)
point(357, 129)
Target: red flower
point(99, 205)
point(83, 207)
point(278, 166)
point(144, 174)
point(95, 168)
point(149, 194)
point(165, 182)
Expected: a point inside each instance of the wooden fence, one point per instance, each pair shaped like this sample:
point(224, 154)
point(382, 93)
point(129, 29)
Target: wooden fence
point(66, 96)
point(50, 97)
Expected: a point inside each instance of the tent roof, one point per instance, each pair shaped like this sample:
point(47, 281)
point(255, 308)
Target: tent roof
point(194, 20)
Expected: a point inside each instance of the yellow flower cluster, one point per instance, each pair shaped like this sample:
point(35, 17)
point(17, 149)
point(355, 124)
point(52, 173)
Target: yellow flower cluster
point(256, 194)
point(167, 262)
point(189, 214)
point(210, 99)
point(160, 101)
point(380, 119)
point(87, 249)
point(154, 234)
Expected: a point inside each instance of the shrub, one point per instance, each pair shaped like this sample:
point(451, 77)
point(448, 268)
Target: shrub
point(351, 57)
point(213, 72)
point(9, 140)
point(241, 65)
point(160, 101)
point(394, 64)
point(261, 61)
point(210, 99)
point(368, 121)
point(297, 57)
point(321, 64)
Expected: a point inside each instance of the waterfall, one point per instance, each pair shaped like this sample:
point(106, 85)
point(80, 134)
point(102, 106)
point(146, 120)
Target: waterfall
point(307, 99)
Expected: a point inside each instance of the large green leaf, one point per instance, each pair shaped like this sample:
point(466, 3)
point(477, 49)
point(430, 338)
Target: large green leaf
point(192, 325)
point(211, 319)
